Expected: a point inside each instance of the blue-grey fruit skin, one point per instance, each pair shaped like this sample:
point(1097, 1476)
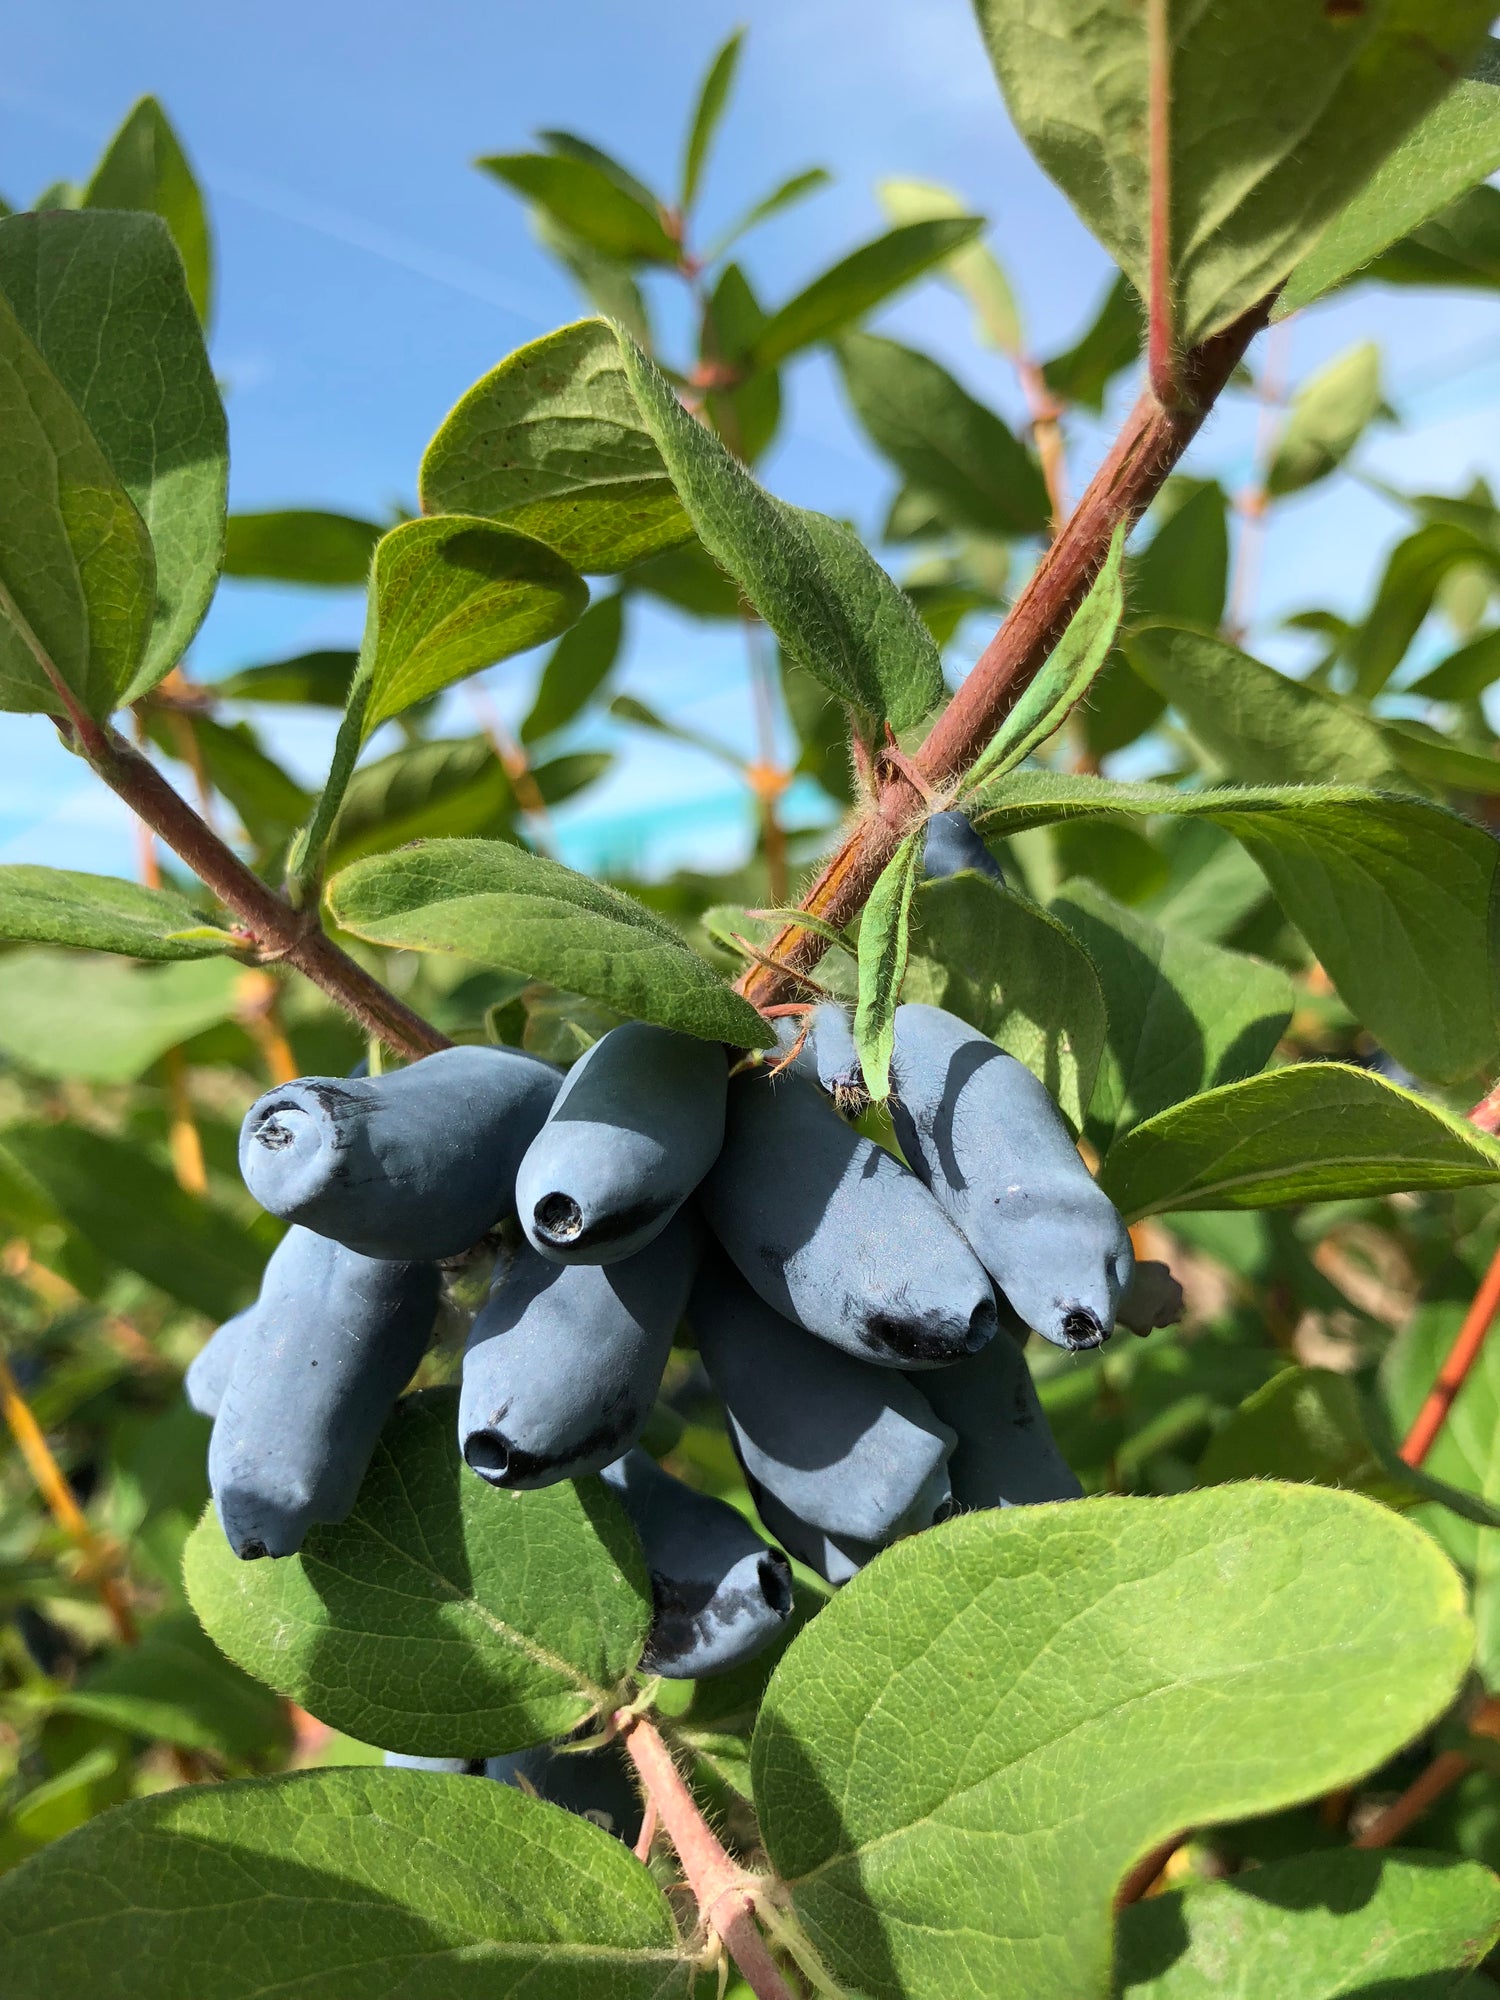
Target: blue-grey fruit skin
point(719, 1595)
point(832, 1558)
point(637, 1124)
point(333, 1340)
point(564, 1360)
point(208, 1372)
point(445, 1767)
point(952, 845)
point(595, 1784)
point(992, 1146)
point(414, 1165)
point(837, 1235)
point(853, 1451)
point(1006, 1455)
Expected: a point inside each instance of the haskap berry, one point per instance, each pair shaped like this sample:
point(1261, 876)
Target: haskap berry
point(871, 1375)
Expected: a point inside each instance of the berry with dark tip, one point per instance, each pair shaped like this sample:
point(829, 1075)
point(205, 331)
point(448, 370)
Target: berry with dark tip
point(635, 1127)
point(1006, 1455)
point(414, 1165)
point(951, 846)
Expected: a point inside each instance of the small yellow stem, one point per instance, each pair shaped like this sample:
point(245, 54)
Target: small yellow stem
point(183, 1137)
point(257, 1009)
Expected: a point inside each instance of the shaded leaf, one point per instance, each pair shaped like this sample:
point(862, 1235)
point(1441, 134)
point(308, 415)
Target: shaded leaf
point(1106, 347)
point(552, 442)
point(101, 913)
point(576, 668)
point(823, 595)
point(444, 787)
point(300, 545)
point(1304, 1424)
point(1315, 1131)
point(1413, 572)
point(974, 269)
point(318, 680)
point(1334, 1925)
point(795, 188)
point(1465, 674)
point(144, 167)
point(1014, 971)
point(884, 939)
point(943, 441)
point(345, 1880)
point(1184, 1014)
point(1250, 193)
point(588, 202)
point(500, 906)
point(1459, 247)
point(746, 414)
point(103, 1019)
point(133, 1213)
point(860, 282)
point(430, 1621)
point(1453, 147)
point(103, 298)
point(175, 1686)
point(713, 95)
point(927, 1819)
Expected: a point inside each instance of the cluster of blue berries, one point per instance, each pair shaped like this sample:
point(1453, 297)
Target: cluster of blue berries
point(861, 1320)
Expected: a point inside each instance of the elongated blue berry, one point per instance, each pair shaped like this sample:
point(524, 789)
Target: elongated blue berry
point(596, 1784)
point(563, 1362)
point(992, 1146)
point(853, 1451)
point(333, 1340)
point(951, 845)
point(833, 1558)
point(719, 1595)
point(417, 1164)
point(208, 1373)
point(1006, 1455)
point(837, 1235)
point(635, 1127)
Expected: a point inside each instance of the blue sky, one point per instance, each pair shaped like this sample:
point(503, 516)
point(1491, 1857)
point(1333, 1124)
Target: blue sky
point(367, 275)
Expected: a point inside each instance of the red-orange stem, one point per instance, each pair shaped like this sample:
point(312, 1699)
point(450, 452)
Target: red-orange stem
point(1454, 1372)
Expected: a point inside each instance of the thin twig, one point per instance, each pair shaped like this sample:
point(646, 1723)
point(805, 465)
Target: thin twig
point(1454, 1372)
point(1046, 430)
point(1146, 451)
point(258, 1011)
point(1441, 1775)
point(184, 1142)
point(52, 1484)
point(724, 1893)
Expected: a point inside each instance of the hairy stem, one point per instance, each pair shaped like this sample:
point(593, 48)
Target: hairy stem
point(275, 926)
point(725, 1895)
point(1147, 449)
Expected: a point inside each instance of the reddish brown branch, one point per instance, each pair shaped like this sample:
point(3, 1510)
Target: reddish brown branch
point(1147, 449)
point(278, 929)
point(1441, 1775)
point(1455, 1370)
point(722, 1891)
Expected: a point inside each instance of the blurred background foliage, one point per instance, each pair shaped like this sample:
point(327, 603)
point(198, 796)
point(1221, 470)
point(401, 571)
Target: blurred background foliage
point(1310, 1335)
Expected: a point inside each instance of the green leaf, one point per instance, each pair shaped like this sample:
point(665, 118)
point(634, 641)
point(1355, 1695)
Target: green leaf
point(1184, 1015)
point(927, 1762)
point(336, 1882)
point(973, 270)
point(1304, 1424)
point(1465, 1453)
point(1065, 678)
point(1108, 345)
point(860, 282)
point(1250, 192)
point(1394, 895)
point(103, 1019)
point(551, 442)
point(625, 708)
point(77, 576)
point(783, 195)
point(144, 167)
point(1334, 1925)
point(270, 803)
point(569, 146)
point(101, 913)
point(1315, 1131)
point(1460, 247)
point(884, 938)
point(501, 906)
point(1328, 416)
point(1465, 674)
point(300, 545)
point(824, 596)
point(712, 98)
point(431, 1620)
point(576, 668)
point(1456, 145)
point(588, 202)
point(942, 440)
point(1009, 968)
point(175, 1686)
point(1415, 569)
point(316, 680)
point(133, 1213)
point(561, 777)
point(452, 596)
point(446, 787)
point(103, 298)
point(745, 414)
